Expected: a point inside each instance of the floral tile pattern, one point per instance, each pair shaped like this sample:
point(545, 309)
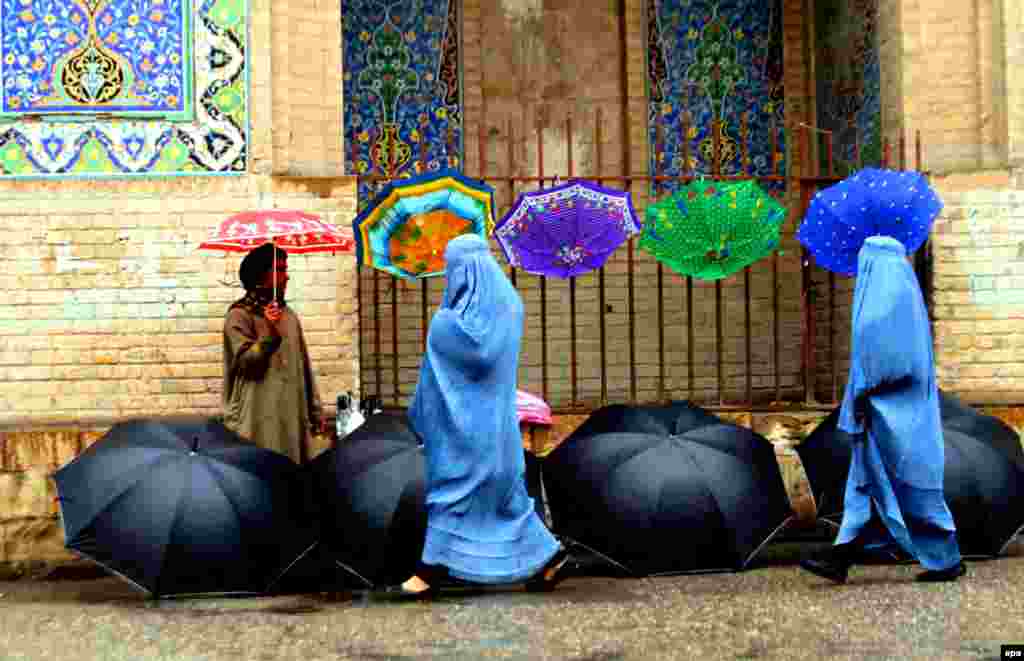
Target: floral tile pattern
point(402, 88)
point(137, 64)
point(715, 66)
point(89, 56)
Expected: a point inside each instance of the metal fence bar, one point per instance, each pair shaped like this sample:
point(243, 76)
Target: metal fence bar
point(378, 368)
point(661, 305)
point(511, 182)
point(716, 168)
point(368, 291)
point(601, 301)
point(832, 290)
point(747, 349)
point(543, 282)
point(690, 376)
point(806, 286)
point(572, 281)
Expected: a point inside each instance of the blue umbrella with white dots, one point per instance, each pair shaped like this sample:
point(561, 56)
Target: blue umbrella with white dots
point(868, 203)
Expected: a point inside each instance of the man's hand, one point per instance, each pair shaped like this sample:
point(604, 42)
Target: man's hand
point(272, 312)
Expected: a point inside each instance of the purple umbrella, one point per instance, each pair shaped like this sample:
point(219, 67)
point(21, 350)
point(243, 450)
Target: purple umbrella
point(567, 230)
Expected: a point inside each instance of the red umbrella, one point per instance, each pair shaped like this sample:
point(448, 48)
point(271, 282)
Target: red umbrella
point(292, 231)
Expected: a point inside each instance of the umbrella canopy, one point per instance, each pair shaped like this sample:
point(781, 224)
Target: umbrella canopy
point(567, 230)
point(292, 231)
point(666, 489)
point(710, 230)
point(407, 226)
point(532, 410)
point(371, 491)
point(371, 488)
point(983, 479)
point(185, 507)
point(871, 202)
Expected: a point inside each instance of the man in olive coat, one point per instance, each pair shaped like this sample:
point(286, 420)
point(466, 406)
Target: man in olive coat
point(270, 396)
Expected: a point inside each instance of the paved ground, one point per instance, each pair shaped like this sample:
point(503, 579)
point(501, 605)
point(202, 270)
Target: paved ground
point(775, 612)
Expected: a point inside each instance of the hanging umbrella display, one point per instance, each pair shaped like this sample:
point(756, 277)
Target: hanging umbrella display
point(292, 231)
point(666, 489)
point(371, 492)
point(567, 230)
point(406, 228)
point(871, 202)
point(710, 230)
point(185, 507)
point(983, 479)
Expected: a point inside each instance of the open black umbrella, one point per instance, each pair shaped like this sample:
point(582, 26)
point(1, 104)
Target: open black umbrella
point(983, 480)
point(666, 489)
point(185, 506)
point(370, 488)
point(371, 492)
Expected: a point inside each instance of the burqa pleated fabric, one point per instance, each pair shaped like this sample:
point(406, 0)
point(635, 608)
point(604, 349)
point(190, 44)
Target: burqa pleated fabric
point(481, 523)
point(898, 460)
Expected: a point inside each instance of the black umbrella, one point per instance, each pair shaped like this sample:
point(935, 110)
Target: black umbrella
point(371, 491)
point(666, 489)
point(185, 506)
point(983, 480)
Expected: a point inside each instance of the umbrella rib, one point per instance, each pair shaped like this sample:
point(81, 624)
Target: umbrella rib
point(725, 522)
point(170, 533)
point(231, 501)
point(128, 489)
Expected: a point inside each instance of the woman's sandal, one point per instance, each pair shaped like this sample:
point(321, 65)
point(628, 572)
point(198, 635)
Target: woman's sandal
point(551, 574)
point(401, 593)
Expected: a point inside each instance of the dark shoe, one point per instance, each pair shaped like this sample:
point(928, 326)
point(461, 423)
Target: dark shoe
point(942, 575)
point(399, 593)
point(833, 563)
point(553, 573)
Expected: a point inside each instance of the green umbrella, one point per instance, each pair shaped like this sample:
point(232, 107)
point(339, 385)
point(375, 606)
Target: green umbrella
point(711, 229)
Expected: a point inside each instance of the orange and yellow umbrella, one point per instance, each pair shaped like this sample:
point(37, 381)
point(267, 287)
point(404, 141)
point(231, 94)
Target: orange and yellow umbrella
point(407, 227)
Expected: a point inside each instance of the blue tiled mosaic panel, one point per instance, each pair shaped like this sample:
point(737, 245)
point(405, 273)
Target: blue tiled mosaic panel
point(402, 87)
point(88, 56)
point(213, 142)
point(716, 60)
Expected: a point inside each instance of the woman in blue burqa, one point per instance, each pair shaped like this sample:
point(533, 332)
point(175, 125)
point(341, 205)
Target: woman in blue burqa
point(481, 523)
point(891, 410)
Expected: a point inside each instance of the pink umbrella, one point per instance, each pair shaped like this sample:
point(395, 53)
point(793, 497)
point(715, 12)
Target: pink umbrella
point(532, 409)
point(292, 231)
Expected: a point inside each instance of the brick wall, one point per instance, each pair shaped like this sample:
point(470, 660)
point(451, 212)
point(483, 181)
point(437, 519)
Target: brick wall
point(307, 87)
point(979, 286)
point(109, 311)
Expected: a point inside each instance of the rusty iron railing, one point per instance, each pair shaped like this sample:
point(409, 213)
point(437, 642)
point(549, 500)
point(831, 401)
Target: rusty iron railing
point(374, 287)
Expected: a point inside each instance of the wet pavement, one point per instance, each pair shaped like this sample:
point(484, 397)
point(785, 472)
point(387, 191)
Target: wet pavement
point(772, 612)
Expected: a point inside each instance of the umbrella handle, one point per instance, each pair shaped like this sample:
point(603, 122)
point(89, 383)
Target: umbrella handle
point(273, 242)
